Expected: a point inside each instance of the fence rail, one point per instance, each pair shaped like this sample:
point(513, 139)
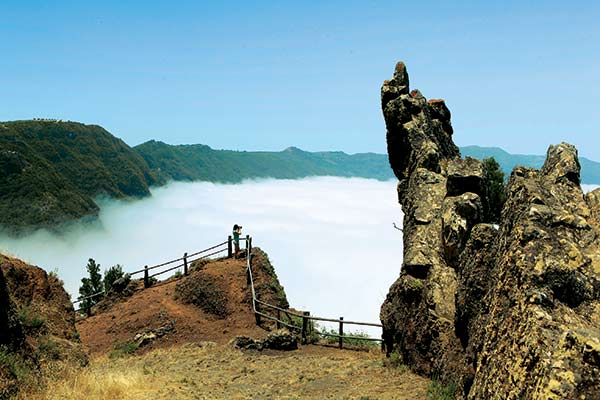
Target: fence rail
point(184, 262)
point(305, 328)
point(304, 318)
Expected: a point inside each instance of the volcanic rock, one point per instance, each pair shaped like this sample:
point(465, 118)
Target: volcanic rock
point(502, 313)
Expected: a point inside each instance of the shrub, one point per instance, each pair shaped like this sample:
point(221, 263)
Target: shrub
point(495, 190)
point(204, 291)
point(30, 319)
point(353, 339)
point(13, 364)
point(439, 391)
point(91, 285)
point(123, 349)
point(48, 348)
point(111, 275)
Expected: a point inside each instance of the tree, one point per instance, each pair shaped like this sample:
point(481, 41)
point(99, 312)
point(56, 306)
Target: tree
point(90, 286)
point(111, 275)
point(495, 190)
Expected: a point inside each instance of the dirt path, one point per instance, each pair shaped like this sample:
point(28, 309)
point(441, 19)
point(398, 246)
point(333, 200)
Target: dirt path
point(208, 371)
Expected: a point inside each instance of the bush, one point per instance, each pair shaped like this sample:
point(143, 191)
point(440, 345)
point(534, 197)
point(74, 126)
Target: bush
point(439, 391)
point(495, 190)
point(91, 285)
point(352, 339)
point(123, 349)
point(13, 364)
point(204, 291)
point(30, 319)
point(111, 275)
point(48, 348)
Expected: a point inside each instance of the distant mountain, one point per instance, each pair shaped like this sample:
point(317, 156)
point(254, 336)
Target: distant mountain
point(201, 163)
point(590, 170)
point(50, 172)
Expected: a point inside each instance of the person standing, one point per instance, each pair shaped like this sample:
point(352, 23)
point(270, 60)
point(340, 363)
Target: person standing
point(237, 231)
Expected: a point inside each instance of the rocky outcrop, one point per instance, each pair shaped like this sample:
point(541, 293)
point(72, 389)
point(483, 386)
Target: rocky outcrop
point(37, 325)
point(504, 313)
point(280, 339)
point(11, 332)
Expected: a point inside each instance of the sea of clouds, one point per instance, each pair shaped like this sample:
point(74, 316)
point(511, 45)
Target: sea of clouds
point(331, 240)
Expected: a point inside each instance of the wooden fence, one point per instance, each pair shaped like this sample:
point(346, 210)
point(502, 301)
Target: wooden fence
point(182, 262)
point(300, 322)
point(296, 321)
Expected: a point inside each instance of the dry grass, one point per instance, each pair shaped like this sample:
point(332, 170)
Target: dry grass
point(196, 371)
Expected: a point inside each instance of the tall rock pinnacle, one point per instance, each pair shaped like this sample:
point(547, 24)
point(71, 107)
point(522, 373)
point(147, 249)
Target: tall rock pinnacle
point(508, 313)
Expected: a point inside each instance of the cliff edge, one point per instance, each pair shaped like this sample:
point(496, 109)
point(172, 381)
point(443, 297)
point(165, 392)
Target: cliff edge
point(508, 312)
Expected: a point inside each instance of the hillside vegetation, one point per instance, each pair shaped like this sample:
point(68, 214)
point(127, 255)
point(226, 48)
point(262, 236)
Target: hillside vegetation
point(199, 162)
point(590, 170)
point(51, 171)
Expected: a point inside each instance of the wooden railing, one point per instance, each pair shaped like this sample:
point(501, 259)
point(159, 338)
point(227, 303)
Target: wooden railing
point(296, 321)
point(304, 326)
point(182, 262)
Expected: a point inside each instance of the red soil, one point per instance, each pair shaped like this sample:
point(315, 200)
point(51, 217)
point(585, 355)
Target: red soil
point(156, 306)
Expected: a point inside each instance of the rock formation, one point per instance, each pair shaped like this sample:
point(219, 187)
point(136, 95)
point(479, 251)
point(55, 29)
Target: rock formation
point(37, 325)
point(503, 313)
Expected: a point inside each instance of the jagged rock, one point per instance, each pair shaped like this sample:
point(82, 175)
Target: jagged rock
point(142, 339)
point(37, 325)
point(280, 339)
point(504, 314)
point(245, 343)
point(11, 332)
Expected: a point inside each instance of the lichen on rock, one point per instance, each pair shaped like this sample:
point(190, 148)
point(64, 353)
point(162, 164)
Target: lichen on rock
point(504, 313)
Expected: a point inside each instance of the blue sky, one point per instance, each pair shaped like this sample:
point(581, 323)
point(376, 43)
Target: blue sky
point(266, 75)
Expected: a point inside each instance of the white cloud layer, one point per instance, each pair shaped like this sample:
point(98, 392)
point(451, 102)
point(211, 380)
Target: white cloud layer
point(331, 240)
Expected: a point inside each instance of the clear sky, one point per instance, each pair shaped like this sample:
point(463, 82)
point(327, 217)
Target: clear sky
point(270, 74)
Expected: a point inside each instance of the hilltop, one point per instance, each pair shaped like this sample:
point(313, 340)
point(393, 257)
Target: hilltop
point(200, 162)
point(179, 339)
point(51, 172)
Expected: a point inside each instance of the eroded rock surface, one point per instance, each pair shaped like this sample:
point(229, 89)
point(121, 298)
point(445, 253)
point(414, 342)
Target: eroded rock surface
point(504, 313)
point(37, 326)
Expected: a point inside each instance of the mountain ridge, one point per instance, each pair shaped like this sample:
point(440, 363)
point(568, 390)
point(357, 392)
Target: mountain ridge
point(52, 171)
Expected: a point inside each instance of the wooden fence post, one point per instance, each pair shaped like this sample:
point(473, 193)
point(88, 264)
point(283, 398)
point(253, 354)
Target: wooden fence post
point(185, 264)
point(256, 314)
point(229, 247)
point(278, 318)
point(146, 279)
point(341, 338)
point(249, 245)
point(305, 327)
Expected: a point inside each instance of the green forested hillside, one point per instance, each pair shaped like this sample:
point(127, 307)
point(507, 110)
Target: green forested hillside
point(200, 162)
point(590, 170)
point(50, 171)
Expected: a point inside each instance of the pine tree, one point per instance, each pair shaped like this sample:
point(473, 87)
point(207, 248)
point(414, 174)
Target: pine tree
point(111, 275)
point(90, 286)
point(495, 189)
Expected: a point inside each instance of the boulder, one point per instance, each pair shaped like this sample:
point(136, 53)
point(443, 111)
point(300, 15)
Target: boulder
point(280, 339)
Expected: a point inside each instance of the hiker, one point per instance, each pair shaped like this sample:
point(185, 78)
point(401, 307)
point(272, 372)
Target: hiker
point(237, 231)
